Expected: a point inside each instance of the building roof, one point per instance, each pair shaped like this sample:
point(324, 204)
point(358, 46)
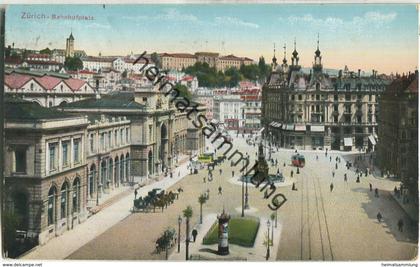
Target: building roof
point(182, 55)
point(42, 62)
point(404, 84)
point(11, 60)
point(98, 59)
point(38, 56)
point(19, 109)
point(117, 100)
point(230, 57)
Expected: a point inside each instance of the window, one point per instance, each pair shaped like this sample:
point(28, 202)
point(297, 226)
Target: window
point(335, 118)
point(116, 137)
point(65, 150)
point(76, 150)
point(335, 107)
point(20, 160)
point(300, 97)
point(91, 143)
point(52, 164)
point(335, 97)
point(50, 104)
point(317, 97)
point(32, 86)
point(51, 205)
point(121, 137)
point(63, 204)
point(110, 139)
point(127, 136)
point(102, 141)
point(76, 195)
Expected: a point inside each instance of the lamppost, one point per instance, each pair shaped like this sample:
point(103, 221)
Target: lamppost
point(267, 256)
point(246, 188)
point(179, 232)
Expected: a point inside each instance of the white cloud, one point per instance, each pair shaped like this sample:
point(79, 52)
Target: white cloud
point(369, 19)
point(98, 26)
point(232, 21)
point(171, 14)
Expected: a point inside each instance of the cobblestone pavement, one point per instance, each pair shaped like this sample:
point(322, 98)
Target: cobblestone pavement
point(316, 224)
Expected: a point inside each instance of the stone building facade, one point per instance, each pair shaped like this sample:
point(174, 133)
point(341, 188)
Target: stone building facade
point(317, 111)
point(397, 152)
point(45, 169)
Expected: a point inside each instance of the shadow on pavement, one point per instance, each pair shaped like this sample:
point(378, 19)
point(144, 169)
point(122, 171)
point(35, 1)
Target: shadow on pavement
point(208, 250)
point(391, 212)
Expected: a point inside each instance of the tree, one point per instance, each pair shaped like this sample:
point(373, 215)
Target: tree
point(73, 63)
point(188, 212)
point(156, 59)
point(183, 91)
point(124, 74)
point(46, 51)
point(202, 200)
point(11, 221)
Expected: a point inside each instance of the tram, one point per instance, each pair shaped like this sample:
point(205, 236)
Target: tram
point(298, 160)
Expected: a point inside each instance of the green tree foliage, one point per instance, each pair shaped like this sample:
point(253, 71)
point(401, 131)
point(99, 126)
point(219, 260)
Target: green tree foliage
point(210, 77)
point(183, 91)
point(45, 51)
point(73, 63)
point(124, 74)
point(156, 59)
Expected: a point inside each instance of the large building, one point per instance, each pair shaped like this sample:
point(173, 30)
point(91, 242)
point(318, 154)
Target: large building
point(159, 132)
point(45, 88)
point(397, 151)
point(227, 109)
point(45, 169)
point(316, 111)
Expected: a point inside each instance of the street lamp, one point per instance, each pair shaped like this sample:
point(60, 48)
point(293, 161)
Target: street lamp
point(179, 232)
point(246, 188)
point(267, 256)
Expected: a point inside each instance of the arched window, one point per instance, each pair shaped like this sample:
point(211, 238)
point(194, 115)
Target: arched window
point(127, 166)
point(122, 162)
point(117, 170)
point(76, 195)
point(51, 205)
point(110, 173)
point(63, 203)
point(92, 177)
point(103, 173)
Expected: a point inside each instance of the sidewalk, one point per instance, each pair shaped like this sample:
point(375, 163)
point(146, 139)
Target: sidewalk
point(208, 252)
point(97, 224)
point(408, 208)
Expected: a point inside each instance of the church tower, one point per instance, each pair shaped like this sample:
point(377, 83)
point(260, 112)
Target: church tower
point(317, 59)
point(70, 46)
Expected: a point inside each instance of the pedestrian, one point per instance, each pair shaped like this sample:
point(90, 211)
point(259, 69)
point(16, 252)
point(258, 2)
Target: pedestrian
point(336, 166)
point(171, 175)
point(400, 225)
point(135, 194)
point(370, 187)
point(331, 187)
point(376, 192)
point(358, 179)
point(316, 157)
point(220, 190)
point(179, 173)
point(345, 177)
point(395, 190)
point(233, 173)
point(284, 164)
point(379, 216)
point(220, 171)
point(291, 173)
point(278, 171)
point(330, 158)
point(194, 234)
point(204, 179)
point(333, 174)
point(294, 187)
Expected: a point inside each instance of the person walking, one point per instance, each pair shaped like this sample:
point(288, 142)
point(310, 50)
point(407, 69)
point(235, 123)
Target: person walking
point(336, 166)
point(204, 180)
point(379, 216)
point(233, 173)
point(220, 190)
point(316, 157)
point(220, 171)
point(358, 179)
point(333, 174)
point(370, 187)
point(395, 191)
point(376, 192)
point(345, 177)
point(294, 187)
point(330, 158)
point(194, 234)
point(400, 225)
point(331, 187)
point(291, 173)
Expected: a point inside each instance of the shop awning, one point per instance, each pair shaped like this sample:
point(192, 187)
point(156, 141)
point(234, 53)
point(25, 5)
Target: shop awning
point(317, 128)
point(300, 128)
point(290, 127)
point(348, 141)
point(372, 139)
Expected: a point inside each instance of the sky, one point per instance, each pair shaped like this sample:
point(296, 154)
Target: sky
point(381, 37)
